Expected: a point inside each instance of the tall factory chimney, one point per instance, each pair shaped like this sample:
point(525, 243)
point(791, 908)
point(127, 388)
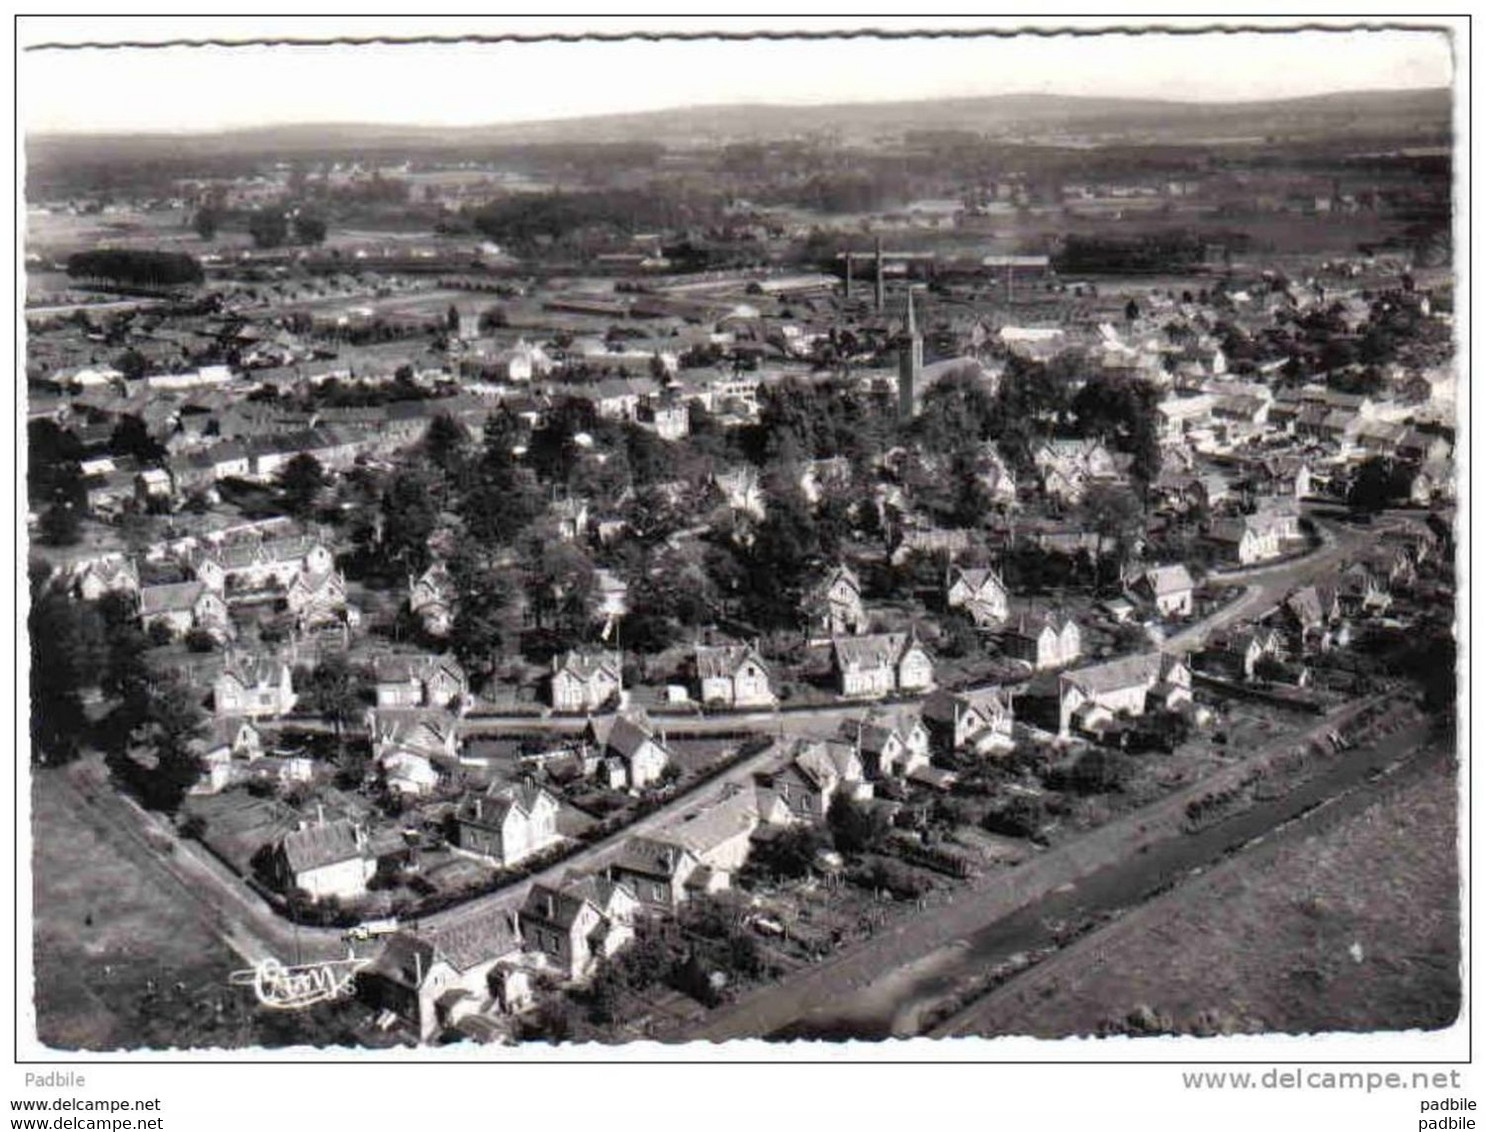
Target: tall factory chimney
point(879, 273)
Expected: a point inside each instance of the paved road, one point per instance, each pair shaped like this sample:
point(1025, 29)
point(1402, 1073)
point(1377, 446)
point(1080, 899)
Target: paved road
point(510, 898)
point(1266, 586)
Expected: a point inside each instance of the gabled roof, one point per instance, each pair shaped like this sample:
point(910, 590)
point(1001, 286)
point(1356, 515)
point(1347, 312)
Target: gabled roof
point(551, 905)
point(404, 959)
point(319, 845)
point(976, 577)
point(870, 734)
point(222, 731)
point(490, 808)
point(400, 668)
point(561, 905)
point(1124, 672)
point(585, 664)
point(1305, 606)
point(724, 661)
point(840, 572)
point(429, 730)
point(947, 707)
point(628, 734)
point(873, 651)
point(1228, 530)
point(735, 812)
point(1165, 580)
point(653, 857)
point(825, 762)
point(109, 570)
point(1031, 624)
point(252, 670)
point(480, 939)
point(175, 597)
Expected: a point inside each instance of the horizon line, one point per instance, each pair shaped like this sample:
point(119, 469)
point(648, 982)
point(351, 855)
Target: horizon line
point(306, 123)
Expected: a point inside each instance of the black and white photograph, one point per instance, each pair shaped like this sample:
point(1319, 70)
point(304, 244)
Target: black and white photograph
point(540, 543)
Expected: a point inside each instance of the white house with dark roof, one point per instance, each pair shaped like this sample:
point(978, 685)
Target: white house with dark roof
point(226, 743)
point(1168, 588)
point(891, 744)
point(1044, 640)
point(733, 676)
point(431, 600)
point(719, 832)
point(980, 592)
point(741, 490)
point(403, 681)
point(1091, 697)
point(101, 576)
point(471, 967)
point(260, 564)
point(1247, 540)
point(978, 721)
point(254, 686)
point(833, 605)
point(573, 926)
point(319, 598)
point(585, 680)
point(820, 769)
point(413, 747)
point(635, 754)
point(507, 823)
point(881, 664)
point(657, 871)
point(1068, 467)
point(183, 606)
point(325, 860)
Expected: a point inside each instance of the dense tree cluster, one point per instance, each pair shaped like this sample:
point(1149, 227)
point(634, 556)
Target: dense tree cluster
point(525, 219)
point(135, 268)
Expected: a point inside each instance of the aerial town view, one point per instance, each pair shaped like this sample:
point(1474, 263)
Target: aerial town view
point(883, 568)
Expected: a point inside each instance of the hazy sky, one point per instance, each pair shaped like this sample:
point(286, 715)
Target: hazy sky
point(187, 88)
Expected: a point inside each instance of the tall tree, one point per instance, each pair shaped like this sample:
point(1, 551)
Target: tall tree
point(482, 605)
point(301, 481)
point(268, 227)
point(446, 443)
point(61, 525)
point(172, 723)
point(69, 653)
point(309, 229)
point(409, 518)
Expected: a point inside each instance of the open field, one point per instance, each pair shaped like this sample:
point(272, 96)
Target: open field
point(1290, 941)
point(115, 945)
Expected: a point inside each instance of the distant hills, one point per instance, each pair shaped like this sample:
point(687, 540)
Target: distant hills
point(1421, 115)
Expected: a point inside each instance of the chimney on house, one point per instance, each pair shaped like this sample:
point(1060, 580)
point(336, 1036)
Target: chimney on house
point(320, 813)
